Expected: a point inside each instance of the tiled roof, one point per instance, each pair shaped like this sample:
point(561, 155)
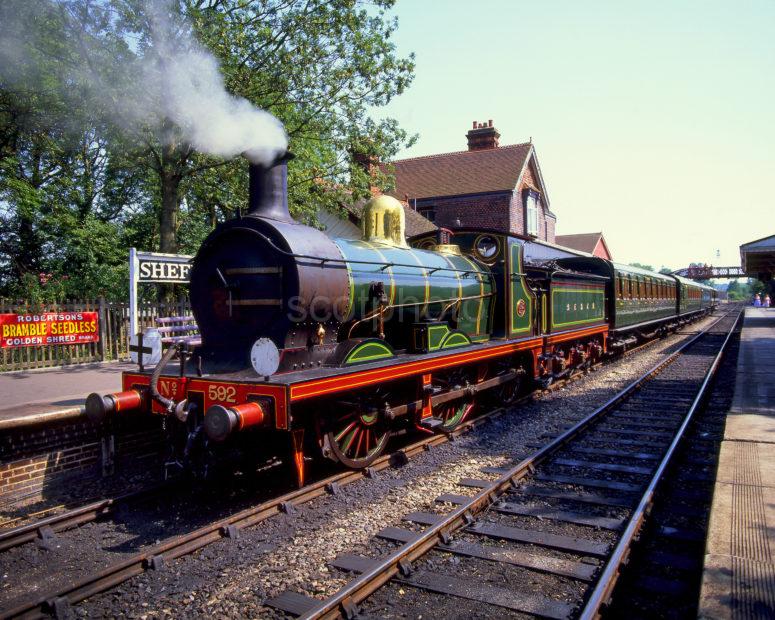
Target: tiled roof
point(416, 224)
point(585, 242)
point(464, 172)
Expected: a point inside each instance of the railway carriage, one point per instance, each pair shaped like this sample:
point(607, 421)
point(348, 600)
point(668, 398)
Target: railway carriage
point(336, 345)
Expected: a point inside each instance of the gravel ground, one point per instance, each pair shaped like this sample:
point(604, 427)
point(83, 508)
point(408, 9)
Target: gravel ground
point(232, 578)
point(78, 491)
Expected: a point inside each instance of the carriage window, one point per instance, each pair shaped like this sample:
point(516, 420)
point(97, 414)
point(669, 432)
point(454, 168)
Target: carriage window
point(619, 286)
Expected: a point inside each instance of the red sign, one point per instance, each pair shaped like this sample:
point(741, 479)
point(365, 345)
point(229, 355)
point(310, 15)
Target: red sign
point(48, 328)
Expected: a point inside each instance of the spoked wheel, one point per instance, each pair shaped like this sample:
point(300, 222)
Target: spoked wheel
point(453, 413)
point(507, 393)
point(357, 434)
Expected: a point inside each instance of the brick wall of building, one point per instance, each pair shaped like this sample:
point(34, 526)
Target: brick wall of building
point(546, 223)
point(529, 180)
point(502, 211)
point(478, 211)
point(551, 224)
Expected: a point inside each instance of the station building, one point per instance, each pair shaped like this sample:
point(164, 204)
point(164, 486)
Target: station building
point(591, 243)
point(484, 186)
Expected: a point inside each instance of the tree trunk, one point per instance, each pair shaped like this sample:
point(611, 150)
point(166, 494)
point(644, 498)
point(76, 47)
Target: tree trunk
point(173, 162)
point(168, 219)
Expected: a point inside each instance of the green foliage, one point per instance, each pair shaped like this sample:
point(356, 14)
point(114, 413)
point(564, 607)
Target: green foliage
point(642, 266)
point(744, 291)
point(81, 182)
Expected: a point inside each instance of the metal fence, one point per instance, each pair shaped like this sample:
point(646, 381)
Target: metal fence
point(114, 332)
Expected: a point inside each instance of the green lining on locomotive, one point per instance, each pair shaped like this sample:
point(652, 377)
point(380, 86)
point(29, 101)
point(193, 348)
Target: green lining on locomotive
point(455, 339)
point(422, 291)
point(368, 351)
point(436, 334)
point(577, 306)
point(429, 337)
point(521, 314)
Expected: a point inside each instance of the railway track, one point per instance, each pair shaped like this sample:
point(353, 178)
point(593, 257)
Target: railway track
point(664, 574)
point(45, 528)
point(561, 521)
point(58, 600)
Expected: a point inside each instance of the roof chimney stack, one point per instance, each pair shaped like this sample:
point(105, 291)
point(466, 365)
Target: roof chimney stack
point(482, 136)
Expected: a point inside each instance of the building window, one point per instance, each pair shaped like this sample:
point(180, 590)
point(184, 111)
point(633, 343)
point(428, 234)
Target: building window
point(531, 213)
point(429, 213)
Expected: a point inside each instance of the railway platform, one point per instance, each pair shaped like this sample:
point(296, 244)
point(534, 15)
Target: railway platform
point(739, 569)
point(38, 397)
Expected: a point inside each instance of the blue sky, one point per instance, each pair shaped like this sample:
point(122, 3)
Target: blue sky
point(653, 121)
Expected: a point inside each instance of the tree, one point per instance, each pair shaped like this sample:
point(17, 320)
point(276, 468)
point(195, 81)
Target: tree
point(94, 156)
point(642, 266)
point(317, 65)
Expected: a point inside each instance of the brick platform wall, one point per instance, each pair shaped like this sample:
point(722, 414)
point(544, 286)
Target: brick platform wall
point(42, 460)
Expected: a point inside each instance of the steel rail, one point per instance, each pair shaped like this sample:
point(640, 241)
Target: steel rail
point(600, 596)
point(344, 602)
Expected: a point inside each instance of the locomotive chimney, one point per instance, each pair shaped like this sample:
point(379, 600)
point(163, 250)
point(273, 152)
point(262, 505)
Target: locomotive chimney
point(268, 195)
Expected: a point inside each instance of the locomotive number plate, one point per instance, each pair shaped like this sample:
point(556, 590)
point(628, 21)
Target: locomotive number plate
point(222, 393)
point(168, 388)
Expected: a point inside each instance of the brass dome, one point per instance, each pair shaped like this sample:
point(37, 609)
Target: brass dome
point(384, 221)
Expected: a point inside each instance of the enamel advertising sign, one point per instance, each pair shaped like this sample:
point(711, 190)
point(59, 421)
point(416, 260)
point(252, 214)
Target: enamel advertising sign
point(48, 328)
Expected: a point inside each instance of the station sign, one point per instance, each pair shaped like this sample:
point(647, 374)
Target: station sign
point(48, 328)
point(154, 268)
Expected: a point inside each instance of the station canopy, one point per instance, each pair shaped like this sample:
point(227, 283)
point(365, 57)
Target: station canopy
point(758, 258)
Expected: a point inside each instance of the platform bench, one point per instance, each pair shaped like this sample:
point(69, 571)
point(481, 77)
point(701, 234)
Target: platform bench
point(179, 330)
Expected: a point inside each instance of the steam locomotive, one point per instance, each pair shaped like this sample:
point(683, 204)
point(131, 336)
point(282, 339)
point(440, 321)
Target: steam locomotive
point(331, 346)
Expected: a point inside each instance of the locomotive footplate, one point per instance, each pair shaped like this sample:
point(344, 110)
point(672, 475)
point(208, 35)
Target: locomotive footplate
point(286, 389)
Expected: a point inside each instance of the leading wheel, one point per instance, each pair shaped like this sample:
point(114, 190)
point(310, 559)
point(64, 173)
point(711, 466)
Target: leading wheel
point(357, 434)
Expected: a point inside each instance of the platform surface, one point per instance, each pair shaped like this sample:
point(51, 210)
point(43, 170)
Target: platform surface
point(55, 393)
point(739, 574)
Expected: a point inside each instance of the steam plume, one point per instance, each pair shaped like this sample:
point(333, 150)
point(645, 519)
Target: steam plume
point(170, 84)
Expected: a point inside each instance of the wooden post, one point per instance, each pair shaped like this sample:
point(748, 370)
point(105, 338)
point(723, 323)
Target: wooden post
point(103, 321)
